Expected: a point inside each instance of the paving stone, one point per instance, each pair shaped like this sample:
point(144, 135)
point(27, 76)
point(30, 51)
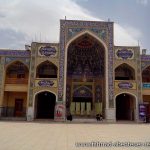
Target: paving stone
point(63, 136)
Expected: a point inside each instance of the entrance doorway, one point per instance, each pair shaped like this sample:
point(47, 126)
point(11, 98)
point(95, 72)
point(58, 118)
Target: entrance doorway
point(125, 105)
point(146, 100)
point(45, 105)
point(85, 78)
point(18, 112)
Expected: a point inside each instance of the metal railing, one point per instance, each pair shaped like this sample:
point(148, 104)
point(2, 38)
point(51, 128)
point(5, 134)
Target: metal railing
point(10, 112)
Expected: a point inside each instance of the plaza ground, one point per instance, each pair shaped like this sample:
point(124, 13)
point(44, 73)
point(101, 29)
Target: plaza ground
point(44, 135)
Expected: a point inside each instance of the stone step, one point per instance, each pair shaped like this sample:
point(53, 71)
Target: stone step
point(13, 118)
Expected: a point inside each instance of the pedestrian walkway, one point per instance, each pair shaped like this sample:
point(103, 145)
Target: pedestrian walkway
point(44, 135)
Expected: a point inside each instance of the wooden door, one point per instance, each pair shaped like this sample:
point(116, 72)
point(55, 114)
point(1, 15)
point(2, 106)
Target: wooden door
point(18, 107)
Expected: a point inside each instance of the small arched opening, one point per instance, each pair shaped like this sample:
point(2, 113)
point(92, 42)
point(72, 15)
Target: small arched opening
point(46, 70)
point(125, 106)
point(45, 105)
point(124, 72)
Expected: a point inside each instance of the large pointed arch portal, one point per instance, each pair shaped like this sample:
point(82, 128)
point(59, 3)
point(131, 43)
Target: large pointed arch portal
point(86, 72)
point(102, 32)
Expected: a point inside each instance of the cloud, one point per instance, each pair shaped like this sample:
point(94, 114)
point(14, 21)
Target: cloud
point(2, 15)
point(12, 38)
point(136, 33)
point(142, 2)
point(122, 37)
point(37, 20)
point(80, 0)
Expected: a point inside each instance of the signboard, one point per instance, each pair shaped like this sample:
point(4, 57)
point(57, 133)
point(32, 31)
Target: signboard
point(142, 112)
point(98, 108)
point(47, 51)
point(125, 85)
point(46, 83)
point(146, 85)
point(124, 54)
point(59, 112)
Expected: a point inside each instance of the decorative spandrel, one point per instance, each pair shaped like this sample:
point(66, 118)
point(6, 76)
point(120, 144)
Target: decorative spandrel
point(82, 91)
point(9, 60)
point(145, 64)
point(146, 74)
point(73, 31)
point(101, 33)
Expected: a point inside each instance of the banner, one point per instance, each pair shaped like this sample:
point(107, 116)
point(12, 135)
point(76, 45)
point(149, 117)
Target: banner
point(98, 108)
point(142, 112)
point(77, 108)
point(72, 108)
point(88, 108)
point(59, 112)
point(82, 108)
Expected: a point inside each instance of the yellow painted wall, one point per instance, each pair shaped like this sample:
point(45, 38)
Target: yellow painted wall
point(146, 91)
point(16, 87)
point(9, 98)
point(39, 89)
point(128, 81)
point(53, 80)
point(146, 98)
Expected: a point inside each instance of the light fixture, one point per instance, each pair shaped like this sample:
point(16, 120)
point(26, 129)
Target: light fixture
point(84, 77)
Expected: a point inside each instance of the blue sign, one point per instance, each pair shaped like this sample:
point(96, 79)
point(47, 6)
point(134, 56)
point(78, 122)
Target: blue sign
point(47, 51)
point(124, 53)
point(45, 83)
point(146, 85)
point(142, 111)
point(125, 85)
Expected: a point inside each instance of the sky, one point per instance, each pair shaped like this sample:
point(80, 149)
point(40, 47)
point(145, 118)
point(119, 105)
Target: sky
point(25, 21)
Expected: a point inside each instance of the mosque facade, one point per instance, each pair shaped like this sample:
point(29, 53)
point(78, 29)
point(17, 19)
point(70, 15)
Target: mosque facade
point(84, 74)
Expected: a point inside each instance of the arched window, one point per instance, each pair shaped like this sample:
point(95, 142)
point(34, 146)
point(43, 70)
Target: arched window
point(46, 70)
point(124, 72)
point(17, 73)
point(146, 75)
point(17, 70)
